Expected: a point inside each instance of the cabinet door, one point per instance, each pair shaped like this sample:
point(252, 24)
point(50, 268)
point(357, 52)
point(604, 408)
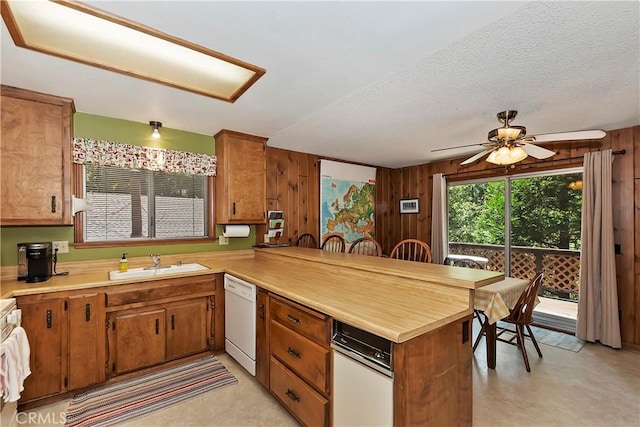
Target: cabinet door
point(247, 181)
point(86, 340)
point(139, 339)
point(262, 338)
point(35, 169)
point(45, 325)
point(187, 330)
point(241, 180)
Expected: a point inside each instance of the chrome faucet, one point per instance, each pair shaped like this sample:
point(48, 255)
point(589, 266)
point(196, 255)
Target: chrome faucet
point(156, 260)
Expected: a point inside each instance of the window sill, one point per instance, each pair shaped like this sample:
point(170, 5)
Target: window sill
point(142, 242)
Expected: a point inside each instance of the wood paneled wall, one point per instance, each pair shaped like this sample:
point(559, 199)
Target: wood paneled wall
point(293, 185)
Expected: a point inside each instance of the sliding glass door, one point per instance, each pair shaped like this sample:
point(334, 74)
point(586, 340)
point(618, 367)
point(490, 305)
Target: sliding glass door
point(533, 221)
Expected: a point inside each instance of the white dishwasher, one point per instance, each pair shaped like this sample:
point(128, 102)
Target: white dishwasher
point(240, 321)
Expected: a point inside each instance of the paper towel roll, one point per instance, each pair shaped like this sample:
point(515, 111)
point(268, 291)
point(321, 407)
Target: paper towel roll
point(236, 231)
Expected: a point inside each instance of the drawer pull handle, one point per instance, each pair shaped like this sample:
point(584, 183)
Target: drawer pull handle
point(49, 319)
point(293, 352)
point(53, 204)
point(157, 326)
point(261, 311)
point(87, 312)
point(234, 208)
point(292, 396)
point(293, 319)
point(173, 322)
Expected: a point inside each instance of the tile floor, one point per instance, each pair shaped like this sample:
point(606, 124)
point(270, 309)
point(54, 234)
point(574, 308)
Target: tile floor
point(597, 386)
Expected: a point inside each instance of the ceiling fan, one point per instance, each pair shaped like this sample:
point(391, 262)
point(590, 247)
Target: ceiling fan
point(509, 144)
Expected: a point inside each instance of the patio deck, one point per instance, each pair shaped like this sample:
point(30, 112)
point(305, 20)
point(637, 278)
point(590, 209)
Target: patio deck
point(556, 314)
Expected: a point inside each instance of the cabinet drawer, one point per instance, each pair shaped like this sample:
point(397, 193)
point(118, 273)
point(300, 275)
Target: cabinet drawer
point(130, 294)
point(311, 324)
point(308, 359)
point(303, 402)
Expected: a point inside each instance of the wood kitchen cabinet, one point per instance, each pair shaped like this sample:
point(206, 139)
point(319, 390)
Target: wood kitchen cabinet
point(138, 339)
point(65, 333)
point(262, 337)
point(35, 158)
point(152, 323)
point(300, 362)
point(187, 331)
point(241, 178)
point(44, 322)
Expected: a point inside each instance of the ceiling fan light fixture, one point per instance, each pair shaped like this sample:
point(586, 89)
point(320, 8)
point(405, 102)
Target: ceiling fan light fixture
point(510, 133)
point(507, 155)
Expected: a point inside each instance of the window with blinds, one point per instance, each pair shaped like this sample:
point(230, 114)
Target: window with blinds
point(141, 204)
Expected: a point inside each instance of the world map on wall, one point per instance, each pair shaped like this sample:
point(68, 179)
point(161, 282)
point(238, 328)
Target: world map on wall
point(347, 209)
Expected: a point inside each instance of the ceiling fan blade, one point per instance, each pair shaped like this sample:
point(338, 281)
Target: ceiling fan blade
point(476, 157)
point(537, 152)
point(453, 148)
point(568, 136)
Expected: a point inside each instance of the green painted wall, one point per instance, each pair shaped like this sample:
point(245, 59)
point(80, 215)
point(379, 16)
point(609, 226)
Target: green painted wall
point(110, 129)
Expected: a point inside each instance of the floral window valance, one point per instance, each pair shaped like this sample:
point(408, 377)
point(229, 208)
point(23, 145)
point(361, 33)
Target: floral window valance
point(106, 153)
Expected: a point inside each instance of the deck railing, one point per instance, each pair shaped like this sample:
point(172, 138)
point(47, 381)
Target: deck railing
point(561, 267)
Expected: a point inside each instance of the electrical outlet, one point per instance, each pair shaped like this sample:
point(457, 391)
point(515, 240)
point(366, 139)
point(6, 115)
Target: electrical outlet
point(62, 246)
point(222, 240)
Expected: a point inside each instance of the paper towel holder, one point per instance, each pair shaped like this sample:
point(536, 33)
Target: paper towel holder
point(236, 230)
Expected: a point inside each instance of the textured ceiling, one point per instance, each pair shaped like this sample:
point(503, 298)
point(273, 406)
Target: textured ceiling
point(381, 83)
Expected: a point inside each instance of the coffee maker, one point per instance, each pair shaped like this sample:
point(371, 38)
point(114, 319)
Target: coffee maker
point(35, 261)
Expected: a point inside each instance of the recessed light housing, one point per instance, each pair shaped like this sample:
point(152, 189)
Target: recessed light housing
point(76, 31)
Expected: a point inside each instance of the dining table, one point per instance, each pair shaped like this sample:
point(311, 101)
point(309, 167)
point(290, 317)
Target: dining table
point(494, 301)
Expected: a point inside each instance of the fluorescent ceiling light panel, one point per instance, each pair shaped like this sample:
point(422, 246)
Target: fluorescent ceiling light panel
point(81, 33)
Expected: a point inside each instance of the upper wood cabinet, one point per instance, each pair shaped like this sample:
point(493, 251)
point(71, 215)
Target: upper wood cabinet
point(241, 178)
point(35, 158)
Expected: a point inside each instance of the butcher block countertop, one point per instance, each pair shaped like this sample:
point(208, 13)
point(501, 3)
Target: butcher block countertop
point(374, 294)
point(398, 300)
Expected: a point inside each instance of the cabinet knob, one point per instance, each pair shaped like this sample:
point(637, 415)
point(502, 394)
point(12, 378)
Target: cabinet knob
point(293, 318)
point(49, 319)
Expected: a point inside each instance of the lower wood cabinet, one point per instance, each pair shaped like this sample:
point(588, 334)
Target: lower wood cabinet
point(299, 360)
point(159, 321)
point(152, 335)
point(136, 339)
point(66, 339)
point(81, 338)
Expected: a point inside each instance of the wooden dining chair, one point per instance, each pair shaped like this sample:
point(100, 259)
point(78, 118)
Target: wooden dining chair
point(412, 250)
point(307, 240)
point(521, 316)
point(469, 263)
point(333, 243)
point(366, 246)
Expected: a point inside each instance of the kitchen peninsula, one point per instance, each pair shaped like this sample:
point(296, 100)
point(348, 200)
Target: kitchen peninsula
point(424, 309)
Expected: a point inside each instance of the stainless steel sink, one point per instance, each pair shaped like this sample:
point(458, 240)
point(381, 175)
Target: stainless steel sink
point(136, 273)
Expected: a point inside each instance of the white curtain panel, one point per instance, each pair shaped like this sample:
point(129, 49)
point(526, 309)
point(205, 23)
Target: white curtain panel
point(439, 243)
point(598, 305)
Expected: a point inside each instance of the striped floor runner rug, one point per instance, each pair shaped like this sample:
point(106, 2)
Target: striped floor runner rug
point(117, 403)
